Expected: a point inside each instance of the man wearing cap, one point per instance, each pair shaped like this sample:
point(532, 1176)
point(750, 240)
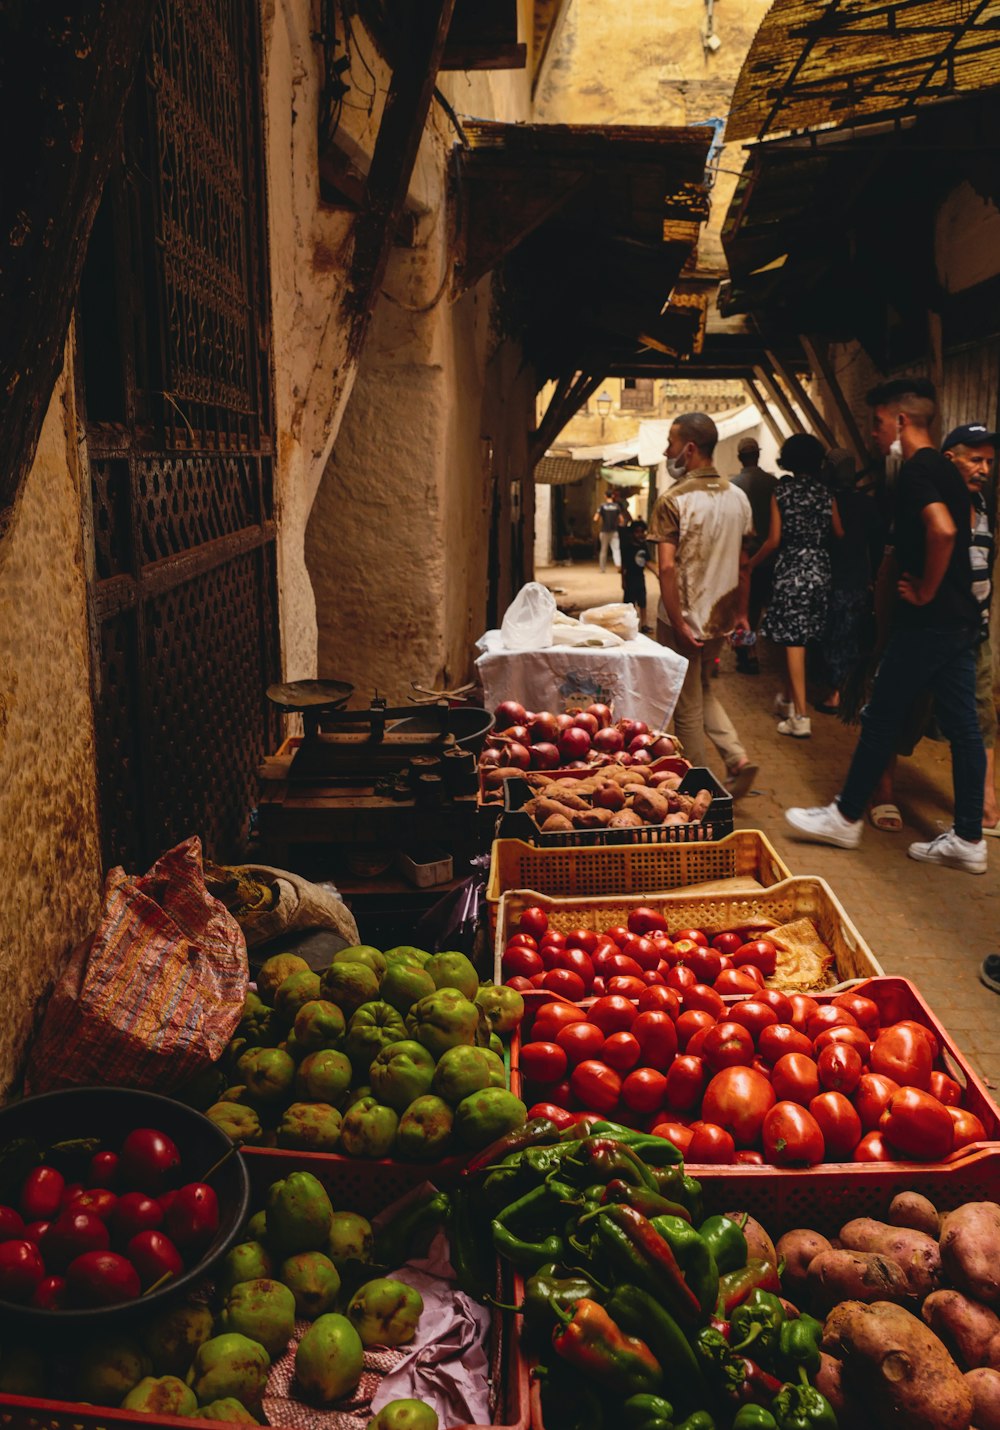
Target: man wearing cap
point(933, 638)
point(758, 486)
point(972, 449)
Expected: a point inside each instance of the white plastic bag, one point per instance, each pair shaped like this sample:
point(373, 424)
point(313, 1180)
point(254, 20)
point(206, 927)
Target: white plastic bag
point(580, 634)
point(527, 622)
point(617, 617)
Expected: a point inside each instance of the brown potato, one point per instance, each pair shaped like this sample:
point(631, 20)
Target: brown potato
point(829, 1381)
point(610, 796)
point(797, 1249)
point(915, 1252)
point(556, 824)
point(985, 1387)
point(652, 808)
point(854, 1275)
point(898, 1366)
point(917, 1212)
point(970, 1250)
point(592, 818)
point(759, 1244)
point(625, 819)
point(700, 807)
point(966, 1328)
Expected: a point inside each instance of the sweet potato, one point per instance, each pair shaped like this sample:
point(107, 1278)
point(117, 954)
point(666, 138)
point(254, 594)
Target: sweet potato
point(797, 1249)
point(898, 1366)
point(494, 778)
point(625, 819)
point(917, 1212)
point(985, 1387)
point(544, 807)
point(970, 1250)
point(966, 1328)
point(556, 824)
point(700, 807)
point(854, 1275)
point(592, 818)
point(915, 1252)
point(652, 808)
point(664, 779)
point(610, 796)
point(759, 1244)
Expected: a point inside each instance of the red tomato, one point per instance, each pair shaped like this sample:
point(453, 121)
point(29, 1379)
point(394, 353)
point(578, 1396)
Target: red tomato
point(738, 1099)
point(537, 979)
point(604, 959)
point(795, 1079)
point(803, 1007)
point(103, 1170)
point(691, 936)
point(684, 947)
point(653, 978)
point(626, 987)
point(780, 1002)
point(829, 1016)
point(696, 1043)
point(791, 1136)
point(555, 1015)
point(596, 1085)
point(839, 1124)
point(98, 1200)
point(564, 982)
point(522, 938)
point(728, 963)
point(674, 1132)
point(620, 963)
point(642, 950)
point(645, 920)
point(686, 1080)
point(617, 934)
point(580, 1041)
point(737, 980)
point(154, 1255)
point(21, 1270)
point(135, 1212)
point(754, 1015)
point(925, 1032)
point(903, 1053)
point(917, 1126)
point(598, 988)
point(839, 1067)
point(577, 962)
point(621, 1051)
point(613, 1014)
point(759, 953)
point(727, 943)
point(587, 939)
point(691, 1022)
point(660, 999)
point(874, 1148)
point(699, 995)
point(554, 937)
point(967, 1127)
point(657, 1037)
point(865, 1010)
point(727, 1045)
point(534, 921)
point(543, 1062)
point(42, 1193)
point(551, 953)
point(870, 1097)
point(680, 977)
point(555, 1114)
point(781, 1038)
point(521, 961)
point(710, 1143)
point(705, 964)
point(745, 1157)
point(855, 1038)
point(11, 1225)
point(945, 1089)
point(562, 1094)
point(521, 984)
point(643, 1090)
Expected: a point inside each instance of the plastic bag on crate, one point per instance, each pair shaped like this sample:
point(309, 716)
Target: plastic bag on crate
point(527, 621)
point(617, 617)
point(153, 996)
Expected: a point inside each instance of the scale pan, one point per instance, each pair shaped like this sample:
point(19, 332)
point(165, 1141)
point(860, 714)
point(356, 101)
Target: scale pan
point(468, 723)
point(309, 694)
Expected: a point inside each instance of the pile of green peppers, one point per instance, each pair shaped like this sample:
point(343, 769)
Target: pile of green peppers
point(634, 1302)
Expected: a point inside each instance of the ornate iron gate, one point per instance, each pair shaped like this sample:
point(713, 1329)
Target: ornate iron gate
point(175, 381)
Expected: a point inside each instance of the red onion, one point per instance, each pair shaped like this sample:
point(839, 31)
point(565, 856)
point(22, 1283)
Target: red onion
point(508, 713)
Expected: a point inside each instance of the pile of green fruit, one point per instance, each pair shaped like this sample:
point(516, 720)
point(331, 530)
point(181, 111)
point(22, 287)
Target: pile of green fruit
point(211, 1359)
point(381, 1054)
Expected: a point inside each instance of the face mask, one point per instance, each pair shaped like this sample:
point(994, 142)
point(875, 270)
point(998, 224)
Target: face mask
point(676, 468)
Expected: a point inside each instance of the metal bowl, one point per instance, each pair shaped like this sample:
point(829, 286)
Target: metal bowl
point(469, 724)
point(110, 1113)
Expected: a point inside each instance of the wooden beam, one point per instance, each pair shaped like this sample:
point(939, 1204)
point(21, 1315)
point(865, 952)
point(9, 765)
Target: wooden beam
point(485, 57)
point(799, 394)
point(815, 351)
point(760, 402)
point(549, 43)
point(935, 353)
point(775, 393)
point(570, 395)
point(400, 131)
point(66, 75)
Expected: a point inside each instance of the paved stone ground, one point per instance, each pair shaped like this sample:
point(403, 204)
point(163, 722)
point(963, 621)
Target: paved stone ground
point(929, 924)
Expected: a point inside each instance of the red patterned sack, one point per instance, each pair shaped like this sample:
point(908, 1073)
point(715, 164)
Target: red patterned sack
point(155, 994)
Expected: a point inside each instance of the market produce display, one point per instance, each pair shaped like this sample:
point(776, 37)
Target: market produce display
point(382, 1054)
point(615, 798)
point(789, 1081)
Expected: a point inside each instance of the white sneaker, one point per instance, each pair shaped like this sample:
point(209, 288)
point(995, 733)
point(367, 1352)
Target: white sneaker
point(825, 824)
point(782, 706)
point(952, 851)
point(798, 725)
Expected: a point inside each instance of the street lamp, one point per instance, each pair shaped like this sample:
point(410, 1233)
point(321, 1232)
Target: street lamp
point(604, 405)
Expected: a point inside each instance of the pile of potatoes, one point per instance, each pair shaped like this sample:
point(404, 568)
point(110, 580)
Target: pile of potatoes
point(615, 797)
point(911, 1334)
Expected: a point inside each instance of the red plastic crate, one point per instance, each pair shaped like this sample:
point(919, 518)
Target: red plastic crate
point(897, 998)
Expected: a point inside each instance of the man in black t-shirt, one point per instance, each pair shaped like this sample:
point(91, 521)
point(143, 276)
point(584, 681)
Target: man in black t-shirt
point(933, 637)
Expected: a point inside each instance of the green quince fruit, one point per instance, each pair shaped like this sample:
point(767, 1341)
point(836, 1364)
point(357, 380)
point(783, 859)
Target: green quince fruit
point(161, 1395)
point(406, 953)
point(258, 1023)
point(356, 1095)
point(484, 1116)
point(372, 1027)
point(240, 1124)
point(363, 953)
point(298, 1214)
point(294, 993)
point(405, 1415)
point(329, 1359)
point(268, 1073)
point(23, 1371)
point(504, 1007)
point(495, 1044)
point(106, 1369)
point(229, 1365)
point(173, 1336)
point(324, 1076)
point(263, 1310)
point(351, 1239)
point(498, 1073)
point(310, 1127)
point(369, 1129)
point(249, 1261)
point(453, 970)
point(443, 1020)
point(349, 985)
point(256, 1227)
point(320, 1024)
point(425, 1129)
point(273, 973)
point(313, 1280)
point(401, 1072)
point(385, 1312)
point(227, 1409)
point(461, 1071)
point(405, 984)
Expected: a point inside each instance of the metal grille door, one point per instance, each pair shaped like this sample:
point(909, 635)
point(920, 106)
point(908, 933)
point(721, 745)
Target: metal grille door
point(175, 382)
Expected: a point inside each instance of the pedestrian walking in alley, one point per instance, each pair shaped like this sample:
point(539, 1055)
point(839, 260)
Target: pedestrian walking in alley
point(933, 637)
point(853, 561)
point(609, 518)
point(634, 563)
point(759, 486)
point(803, 516)
point(701, 527)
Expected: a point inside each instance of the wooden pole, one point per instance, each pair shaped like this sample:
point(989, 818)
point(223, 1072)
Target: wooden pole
point(801, 396)
point(821, 365)
point(760, 402)
point(777, 396)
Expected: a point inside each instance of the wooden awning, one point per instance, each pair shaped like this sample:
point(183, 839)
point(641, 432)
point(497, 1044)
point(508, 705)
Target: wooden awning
point(820, 62)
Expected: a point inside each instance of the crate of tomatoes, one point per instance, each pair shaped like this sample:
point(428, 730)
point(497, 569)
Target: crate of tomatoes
point(766, 1080)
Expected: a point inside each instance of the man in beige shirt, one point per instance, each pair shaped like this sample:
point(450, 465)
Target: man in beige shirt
point(702, 525)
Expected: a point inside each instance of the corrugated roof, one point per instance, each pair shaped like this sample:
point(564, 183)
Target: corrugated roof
point(563, 471)
point(817, 62)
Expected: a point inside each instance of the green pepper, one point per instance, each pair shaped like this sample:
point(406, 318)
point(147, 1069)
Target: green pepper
point(518, 1248)
point(722, 1367)
point(693, 1256)
point(727, 1242)
point(591, 1342)
point(540, 1162)
point(798, 1345)
point(471, 1254)
point(640, 1256)
point(654, 1151)
point(802, 1407)
point(546, 1290)
point(674, 1182)
point(407, 1235)
point(641, 1314)
point(754, 1417)
point(642, 1412)
point(604, 1158)
point(736, 1286)
point(757, 1322)
point(651, 1204)
point(700, 1420)
point(532, 1134)
point(568, 1402)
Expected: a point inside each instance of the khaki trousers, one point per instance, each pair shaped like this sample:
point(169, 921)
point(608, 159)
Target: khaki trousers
point(699, 711)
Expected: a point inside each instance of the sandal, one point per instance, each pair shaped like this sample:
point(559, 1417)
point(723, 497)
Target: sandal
point(885, 817)
point(739, 782)
point(989, 972)
point(992, 831)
